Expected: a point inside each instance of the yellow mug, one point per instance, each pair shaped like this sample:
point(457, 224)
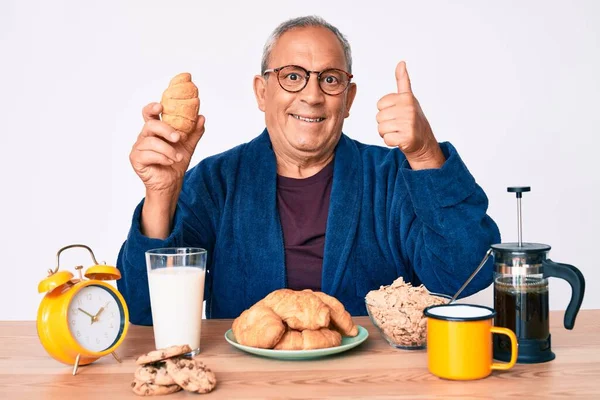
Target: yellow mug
point(459, 341)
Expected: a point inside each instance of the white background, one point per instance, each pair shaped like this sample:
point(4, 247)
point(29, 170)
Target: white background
point(514, 85)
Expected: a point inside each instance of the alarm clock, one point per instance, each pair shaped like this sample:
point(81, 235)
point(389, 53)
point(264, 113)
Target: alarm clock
point(80, 320)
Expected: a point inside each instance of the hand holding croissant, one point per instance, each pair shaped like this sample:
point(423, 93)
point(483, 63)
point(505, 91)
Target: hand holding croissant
point(163, 150)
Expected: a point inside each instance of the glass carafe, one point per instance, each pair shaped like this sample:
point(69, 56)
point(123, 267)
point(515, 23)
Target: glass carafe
point(521, 299)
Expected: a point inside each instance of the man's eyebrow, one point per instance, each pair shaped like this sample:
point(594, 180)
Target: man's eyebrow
point(327, 66)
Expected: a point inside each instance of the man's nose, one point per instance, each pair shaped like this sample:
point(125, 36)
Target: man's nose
point(312, 93)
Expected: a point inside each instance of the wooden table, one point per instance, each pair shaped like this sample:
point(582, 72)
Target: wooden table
point(372, 370)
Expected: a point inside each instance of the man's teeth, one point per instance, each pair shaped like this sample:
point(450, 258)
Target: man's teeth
point(307, 119)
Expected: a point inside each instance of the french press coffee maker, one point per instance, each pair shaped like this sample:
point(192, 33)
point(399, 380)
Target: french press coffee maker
point(521, 272)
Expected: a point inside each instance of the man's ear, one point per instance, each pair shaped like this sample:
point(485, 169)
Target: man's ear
point(260, 91)
point(350, 95)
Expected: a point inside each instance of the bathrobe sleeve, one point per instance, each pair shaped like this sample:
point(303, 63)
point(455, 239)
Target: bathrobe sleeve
point(445, 230)
point(194, 225)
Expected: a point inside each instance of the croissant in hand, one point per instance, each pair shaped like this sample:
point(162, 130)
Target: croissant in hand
point(181, 103)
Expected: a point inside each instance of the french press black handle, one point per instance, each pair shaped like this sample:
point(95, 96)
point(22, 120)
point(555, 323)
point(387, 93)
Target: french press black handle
point(575, 278)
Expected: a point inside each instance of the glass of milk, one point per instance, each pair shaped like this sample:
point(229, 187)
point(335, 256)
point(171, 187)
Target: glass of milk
point(176, 283)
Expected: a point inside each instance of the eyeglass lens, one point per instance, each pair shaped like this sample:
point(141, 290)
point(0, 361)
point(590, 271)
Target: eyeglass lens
point(293, 79)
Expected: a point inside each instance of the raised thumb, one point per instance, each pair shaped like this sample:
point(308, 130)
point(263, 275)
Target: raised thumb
point(402, 79)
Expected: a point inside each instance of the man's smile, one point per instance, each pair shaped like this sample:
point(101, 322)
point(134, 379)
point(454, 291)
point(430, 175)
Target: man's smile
point(312, 119)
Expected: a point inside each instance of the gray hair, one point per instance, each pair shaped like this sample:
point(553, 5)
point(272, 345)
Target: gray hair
point(303, 22)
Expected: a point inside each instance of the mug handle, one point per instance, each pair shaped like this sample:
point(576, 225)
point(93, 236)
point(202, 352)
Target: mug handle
point(513, 348)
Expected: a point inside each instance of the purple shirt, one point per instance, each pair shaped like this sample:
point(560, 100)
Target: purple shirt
point(303, 208)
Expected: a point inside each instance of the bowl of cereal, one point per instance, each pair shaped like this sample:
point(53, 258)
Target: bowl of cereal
point(396, 311)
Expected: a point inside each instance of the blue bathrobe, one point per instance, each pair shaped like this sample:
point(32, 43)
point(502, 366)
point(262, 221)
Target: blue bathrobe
point(385, 221)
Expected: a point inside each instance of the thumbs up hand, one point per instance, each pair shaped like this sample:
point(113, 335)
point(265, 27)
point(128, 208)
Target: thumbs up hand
point(401, 123)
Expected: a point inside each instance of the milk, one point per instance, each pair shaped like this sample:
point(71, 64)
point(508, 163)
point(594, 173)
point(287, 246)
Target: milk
point(176, 296)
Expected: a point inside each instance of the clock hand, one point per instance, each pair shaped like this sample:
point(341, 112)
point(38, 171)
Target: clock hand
point(95, 317)
point(87, 313)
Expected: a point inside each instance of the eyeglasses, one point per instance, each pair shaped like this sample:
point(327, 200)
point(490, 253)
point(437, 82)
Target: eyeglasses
point(293, 78)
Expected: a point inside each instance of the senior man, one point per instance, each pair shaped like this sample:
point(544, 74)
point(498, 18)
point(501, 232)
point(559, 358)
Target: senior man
point(303, 205)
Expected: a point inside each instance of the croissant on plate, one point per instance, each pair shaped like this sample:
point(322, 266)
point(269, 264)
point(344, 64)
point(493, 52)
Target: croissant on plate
point(341, 320)
point(309, 339)
point(294, 320)
point(259, 327)
point(299, 310)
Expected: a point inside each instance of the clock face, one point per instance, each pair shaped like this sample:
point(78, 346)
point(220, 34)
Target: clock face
point(95, 318)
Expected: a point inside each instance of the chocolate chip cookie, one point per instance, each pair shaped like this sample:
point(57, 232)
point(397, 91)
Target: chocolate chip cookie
point(155, 373)
point(192, 375)
point(150, 389)
point(163, 354)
